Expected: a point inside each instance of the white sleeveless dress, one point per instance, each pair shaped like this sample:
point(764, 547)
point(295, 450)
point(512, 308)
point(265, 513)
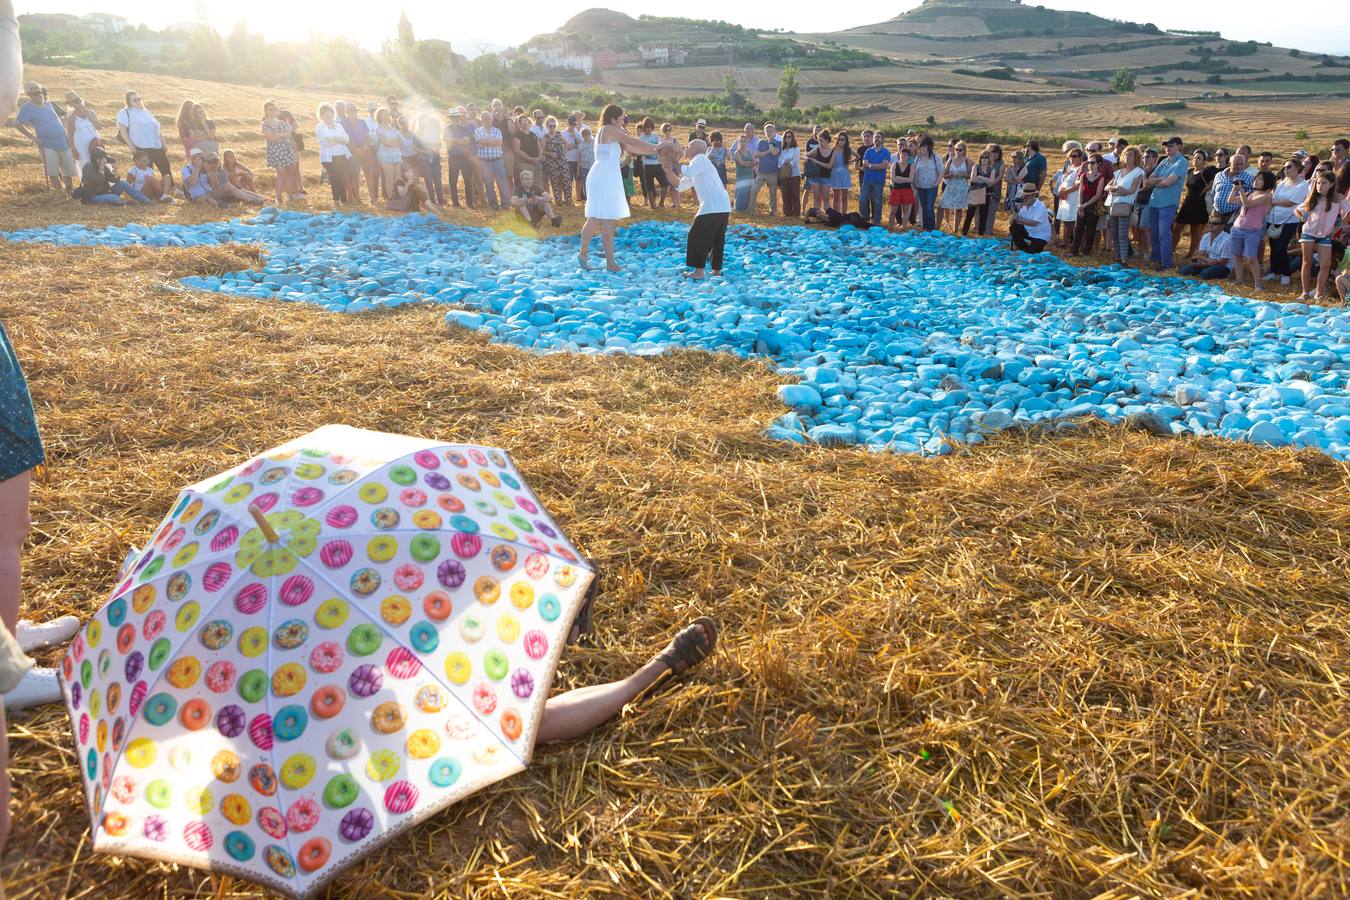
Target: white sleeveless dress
point(85, 132)
point(604, 185)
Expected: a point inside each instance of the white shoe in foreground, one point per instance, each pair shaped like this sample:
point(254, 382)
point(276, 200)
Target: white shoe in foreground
point(34, 636)
point(38, 687)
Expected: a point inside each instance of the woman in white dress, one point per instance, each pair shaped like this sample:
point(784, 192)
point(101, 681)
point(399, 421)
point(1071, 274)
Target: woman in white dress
point(605, 200)
point(1067, 191)
point(82, 125)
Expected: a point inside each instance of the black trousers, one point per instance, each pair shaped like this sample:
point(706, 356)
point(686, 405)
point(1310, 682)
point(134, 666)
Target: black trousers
point(1280, 262)
point(1022, 242)
point(707, 236)
point(337, 178)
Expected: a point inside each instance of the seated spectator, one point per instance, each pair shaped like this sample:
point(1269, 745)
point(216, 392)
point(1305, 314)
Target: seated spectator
point(223, 191)
point(99, 182)
point(196, 186)
point(1030, 227)
point(240, 175)
point(409, 194)
point(143, 177)
point(533, 205)
point(1213, 259)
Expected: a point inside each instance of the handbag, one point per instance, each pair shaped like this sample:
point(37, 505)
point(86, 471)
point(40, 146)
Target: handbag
point(1273, 231)
point(1121, 209)
point(976, 196)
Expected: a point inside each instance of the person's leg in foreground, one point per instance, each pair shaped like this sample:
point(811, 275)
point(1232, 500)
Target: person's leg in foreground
point(579, 712)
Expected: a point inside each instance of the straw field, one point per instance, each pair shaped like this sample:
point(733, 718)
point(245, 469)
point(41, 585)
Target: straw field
point(1087, 663)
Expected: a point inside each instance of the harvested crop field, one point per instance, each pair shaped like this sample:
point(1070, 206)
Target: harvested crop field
point(1093, 662)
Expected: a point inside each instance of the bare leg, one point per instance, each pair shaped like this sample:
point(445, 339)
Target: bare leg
point(587, 232)
point(607, 241)
point(14, 525)
point(578, 712)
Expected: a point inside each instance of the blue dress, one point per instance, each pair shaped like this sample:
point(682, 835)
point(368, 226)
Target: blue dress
point(840, 177)
point(20, 444)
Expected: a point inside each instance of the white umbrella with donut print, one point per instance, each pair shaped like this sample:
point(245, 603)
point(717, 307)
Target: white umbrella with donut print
point(318, 649)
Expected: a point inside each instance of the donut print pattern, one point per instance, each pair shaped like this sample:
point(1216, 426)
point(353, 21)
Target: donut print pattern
point(249, 693)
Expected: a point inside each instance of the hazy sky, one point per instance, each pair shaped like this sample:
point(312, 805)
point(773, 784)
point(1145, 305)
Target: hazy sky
point(1323, 25)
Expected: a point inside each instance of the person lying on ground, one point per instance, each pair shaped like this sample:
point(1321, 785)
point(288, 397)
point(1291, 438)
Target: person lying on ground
point(835, 219)
point(532, 204)
point(99, 182)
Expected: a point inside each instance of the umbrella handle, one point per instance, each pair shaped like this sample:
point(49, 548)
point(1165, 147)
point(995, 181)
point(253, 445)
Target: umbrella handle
point(265, 526)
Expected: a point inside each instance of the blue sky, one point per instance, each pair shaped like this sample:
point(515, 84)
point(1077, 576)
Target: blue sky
point(1321, 26)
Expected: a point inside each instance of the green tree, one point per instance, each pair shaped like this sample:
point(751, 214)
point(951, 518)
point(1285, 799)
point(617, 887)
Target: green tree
point(405, 33)
point(484, 76)
point(732, 97)
point(1123, 81)
point(788, 94)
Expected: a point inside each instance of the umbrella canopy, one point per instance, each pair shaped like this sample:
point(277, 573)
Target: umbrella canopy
point(318, 649)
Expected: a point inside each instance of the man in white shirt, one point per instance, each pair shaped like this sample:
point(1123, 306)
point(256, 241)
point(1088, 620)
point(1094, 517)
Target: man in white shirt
point(1030, 228)
point(708, 234)
point(1214, 259)
point(538, 129)
point(571, 139)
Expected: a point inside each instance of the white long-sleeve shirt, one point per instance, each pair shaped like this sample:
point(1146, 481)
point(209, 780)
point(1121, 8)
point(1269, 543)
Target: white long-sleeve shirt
point(11, 66)
point(701, 175)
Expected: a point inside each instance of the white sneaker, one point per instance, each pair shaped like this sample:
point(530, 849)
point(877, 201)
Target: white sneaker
point(38, 687)
point(1269, 276)
point(1284, 279)
point(32, 636)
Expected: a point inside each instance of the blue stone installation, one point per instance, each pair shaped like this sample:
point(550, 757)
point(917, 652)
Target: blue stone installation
point(905, 343)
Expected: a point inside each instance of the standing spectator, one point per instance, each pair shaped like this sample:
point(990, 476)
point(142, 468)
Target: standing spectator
point(668, 152)
point(1068, 189)
point(528, 152)
point(571, 139)
point(840, 179)
point(556, 171)
point(427, 139)
point(790, 175)
point(1236, 173)
point(1249, 227)
point(1057, 178)
point(140, 130)
point(280, 151)
point(927, 175)
point(491, 159)
point(1036, 165)
point(1139, 218)
point(333, 151)
point(1192, 213)
point(956, 193)
point(1121, 194)
point(717, 155)
point(743, 154)
point(539, 128)
point(811, 171)
point(586, 160)
point(1245, 151)
point(650, 173)
point(363, 155)
point(184, 123)
point(407, 146)
point(864, 141)
point(1321, 213)
point(995, 190)
point(460, 159)
point(298, 144)
point(1013, 176)
point(1290, 192)
point(981, 177)
point(1030, 227)
point(700, 133)
point(99, 182)
point(388, 150)
point(876, 164)
point(1340, 154)
point(902, 187)
point(1212, 259)
point(1092, 183)
point(1114, 156)
point(37, 120)
point(767, 151)
point(1167, 181)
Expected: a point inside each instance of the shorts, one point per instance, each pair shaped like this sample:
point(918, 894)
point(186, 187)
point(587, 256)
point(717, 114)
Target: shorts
point(1319, 241)
point(1246, 242)
point(57, 162)
point(902, 196)
point(656, 172)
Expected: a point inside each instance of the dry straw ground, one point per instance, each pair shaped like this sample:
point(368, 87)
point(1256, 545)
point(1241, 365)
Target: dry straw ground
point(1090, 663)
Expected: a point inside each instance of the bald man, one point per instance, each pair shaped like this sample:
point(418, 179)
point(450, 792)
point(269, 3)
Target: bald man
point(708, 234)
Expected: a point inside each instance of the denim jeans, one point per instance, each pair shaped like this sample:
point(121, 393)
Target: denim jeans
point(927, 197)
point(495, 182)
point(1160, 220)
point(431, 174)
point(1209, 273)
point(870, 202)
point(114, 195)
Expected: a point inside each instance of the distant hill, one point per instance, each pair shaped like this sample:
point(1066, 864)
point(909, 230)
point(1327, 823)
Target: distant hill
point(683, 41)
point(973, 18)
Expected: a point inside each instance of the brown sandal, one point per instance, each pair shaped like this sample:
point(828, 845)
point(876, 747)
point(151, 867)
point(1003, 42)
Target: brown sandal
point(691, 646)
